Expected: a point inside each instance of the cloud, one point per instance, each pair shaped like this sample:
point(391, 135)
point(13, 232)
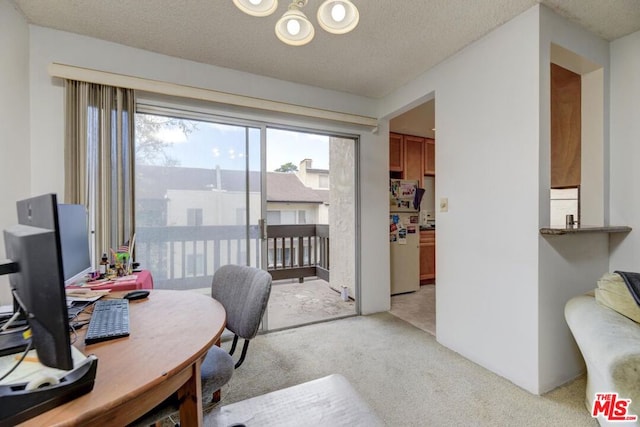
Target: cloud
point(171, 135)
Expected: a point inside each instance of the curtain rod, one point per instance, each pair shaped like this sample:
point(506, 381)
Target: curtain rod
point(72, 72)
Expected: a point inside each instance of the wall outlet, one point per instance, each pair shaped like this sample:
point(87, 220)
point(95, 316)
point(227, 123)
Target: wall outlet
point(444, 204)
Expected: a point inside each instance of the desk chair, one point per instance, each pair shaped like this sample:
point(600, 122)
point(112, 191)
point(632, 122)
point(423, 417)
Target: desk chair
point(244, 293)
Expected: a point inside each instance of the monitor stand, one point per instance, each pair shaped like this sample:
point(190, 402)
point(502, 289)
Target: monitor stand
point(24, 399)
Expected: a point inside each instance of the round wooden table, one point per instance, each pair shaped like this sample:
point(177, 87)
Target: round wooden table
point(170, 333)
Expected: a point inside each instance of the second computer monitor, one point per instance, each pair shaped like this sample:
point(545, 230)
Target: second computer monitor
point(45, 212)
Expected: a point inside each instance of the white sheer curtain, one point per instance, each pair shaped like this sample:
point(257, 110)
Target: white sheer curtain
point(99, 160)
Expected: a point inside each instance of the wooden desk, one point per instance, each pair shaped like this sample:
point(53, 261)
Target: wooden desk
point(171, 332)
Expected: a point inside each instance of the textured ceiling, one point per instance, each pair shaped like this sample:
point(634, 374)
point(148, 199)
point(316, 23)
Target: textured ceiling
point(395, 41)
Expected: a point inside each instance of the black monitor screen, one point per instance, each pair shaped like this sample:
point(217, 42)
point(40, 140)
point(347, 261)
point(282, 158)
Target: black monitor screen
point(74, 240)
point(45, 212)
point(39, 282)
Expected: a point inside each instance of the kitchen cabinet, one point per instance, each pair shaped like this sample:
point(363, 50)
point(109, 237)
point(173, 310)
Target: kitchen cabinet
point(413, 158)
point(396, 152)
point(406, 156)
point(566, 152)
point(427, 255)
point(429, 156)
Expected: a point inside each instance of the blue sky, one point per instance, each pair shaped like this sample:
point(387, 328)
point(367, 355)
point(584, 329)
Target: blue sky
point(214, 144)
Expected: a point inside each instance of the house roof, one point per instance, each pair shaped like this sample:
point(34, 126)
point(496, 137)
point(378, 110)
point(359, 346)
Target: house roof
point(287, 187)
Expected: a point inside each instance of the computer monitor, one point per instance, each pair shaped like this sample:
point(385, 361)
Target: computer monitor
point(74, 240)
point(38, 284)
point(74, 231)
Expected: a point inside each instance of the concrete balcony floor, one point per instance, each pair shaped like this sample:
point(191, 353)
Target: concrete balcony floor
point(292, 303)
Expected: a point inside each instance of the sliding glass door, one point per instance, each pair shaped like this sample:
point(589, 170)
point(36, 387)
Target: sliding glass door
point(204, 184)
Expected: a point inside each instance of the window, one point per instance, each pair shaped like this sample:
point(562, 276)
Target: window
point(323, 181)
point(288, 217)
point(194, 217)
point(302, 217)
point(273, 217)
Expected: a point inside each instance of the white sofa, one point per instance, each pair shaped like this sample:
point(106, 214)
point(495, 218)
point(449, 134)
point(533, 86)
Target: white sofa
point(610, 345)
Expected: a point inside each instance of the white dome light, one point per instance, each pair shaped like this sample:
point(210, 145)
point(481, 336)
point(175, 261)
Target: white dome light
point(294, 28)
point(338, 16)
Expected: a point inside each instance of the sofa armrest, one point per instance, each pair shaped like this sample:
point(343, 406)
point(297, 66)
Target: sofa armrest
point(610, 345)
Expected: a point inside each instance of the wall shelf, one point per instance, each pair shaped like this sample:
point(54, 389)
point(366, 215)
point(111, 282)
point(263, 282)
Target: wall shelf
point(558, 231)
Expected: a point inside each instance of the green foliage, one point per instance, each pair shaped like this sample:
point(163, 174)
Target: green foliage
point(287, 167)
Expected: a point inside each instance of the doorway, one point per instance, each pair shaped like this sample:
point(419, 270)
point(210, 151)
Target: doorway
point(412, 156)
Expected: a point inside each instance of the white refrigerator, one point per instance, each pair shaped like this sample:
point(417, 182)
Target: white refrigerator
point(404, 236)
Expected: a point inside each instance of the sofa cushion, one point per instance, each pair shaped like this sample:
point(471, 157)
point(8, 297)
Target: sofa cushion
point(613, 292)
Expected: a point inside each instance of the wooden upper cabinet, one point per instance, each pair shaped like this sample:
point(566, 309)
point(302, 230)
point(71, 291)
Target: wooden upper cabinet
point(566, 126)
point(396, 153)
point(429, 156)
point(413, 158)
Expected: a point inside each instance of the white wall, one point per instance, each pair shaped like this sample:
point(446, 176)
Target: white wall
point(625, 151)
point(501, 286)
point(47, 125)
point(487, 159)
point(14, 126)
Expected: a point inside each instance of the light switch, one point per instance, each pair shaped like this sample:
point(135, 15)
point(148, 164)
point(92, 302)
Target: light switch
point(444, 204)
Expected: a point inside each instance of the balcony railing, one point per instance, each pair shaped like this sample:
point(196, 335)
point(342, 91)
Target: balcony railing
point(185, 257)
point(298, 251)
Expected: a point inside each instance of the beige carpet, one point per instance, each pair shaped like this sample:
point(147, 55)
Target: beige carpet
point(417, 308)
point(403, 374)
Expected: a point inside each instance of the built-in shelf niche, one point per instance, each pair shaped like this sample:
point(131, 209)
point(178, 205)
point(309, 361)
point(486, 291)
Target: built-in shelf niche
point(583, 165)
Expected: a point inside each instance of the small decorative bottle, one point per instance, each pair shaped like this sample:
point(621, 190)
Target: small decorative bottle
point(104, 265)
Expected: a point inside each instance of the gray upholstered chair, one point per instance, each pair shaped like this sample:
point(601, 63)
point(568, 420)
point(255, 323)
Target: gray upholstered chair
point(244, 293)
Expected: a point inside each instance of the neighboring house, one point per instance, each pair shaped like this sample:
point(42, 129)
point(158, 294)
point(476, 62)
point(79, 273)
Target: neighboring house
point(181, 196)
point(174, 196)
point(317, 179)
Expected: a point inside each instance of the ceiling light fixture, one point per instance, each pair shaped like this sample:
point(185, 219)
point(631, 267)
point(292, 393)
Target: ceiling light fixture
point(338, 16)
point(294, 28)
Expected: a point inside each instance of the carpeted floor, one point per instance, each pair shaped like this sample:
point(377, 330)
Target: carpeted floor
point(403, 374)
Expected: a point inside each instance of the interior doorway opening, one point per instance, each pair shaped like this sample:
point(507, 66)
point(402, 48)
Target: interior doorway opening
point(412, 148)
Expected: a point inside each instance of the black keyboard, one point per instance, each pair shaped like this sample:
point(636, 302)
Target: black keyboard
point(110, 320)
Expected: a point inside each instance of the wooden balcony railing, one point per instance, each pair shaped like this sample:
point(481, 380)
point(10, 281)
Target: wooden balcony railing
point(185, 257)
point(298, 251)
